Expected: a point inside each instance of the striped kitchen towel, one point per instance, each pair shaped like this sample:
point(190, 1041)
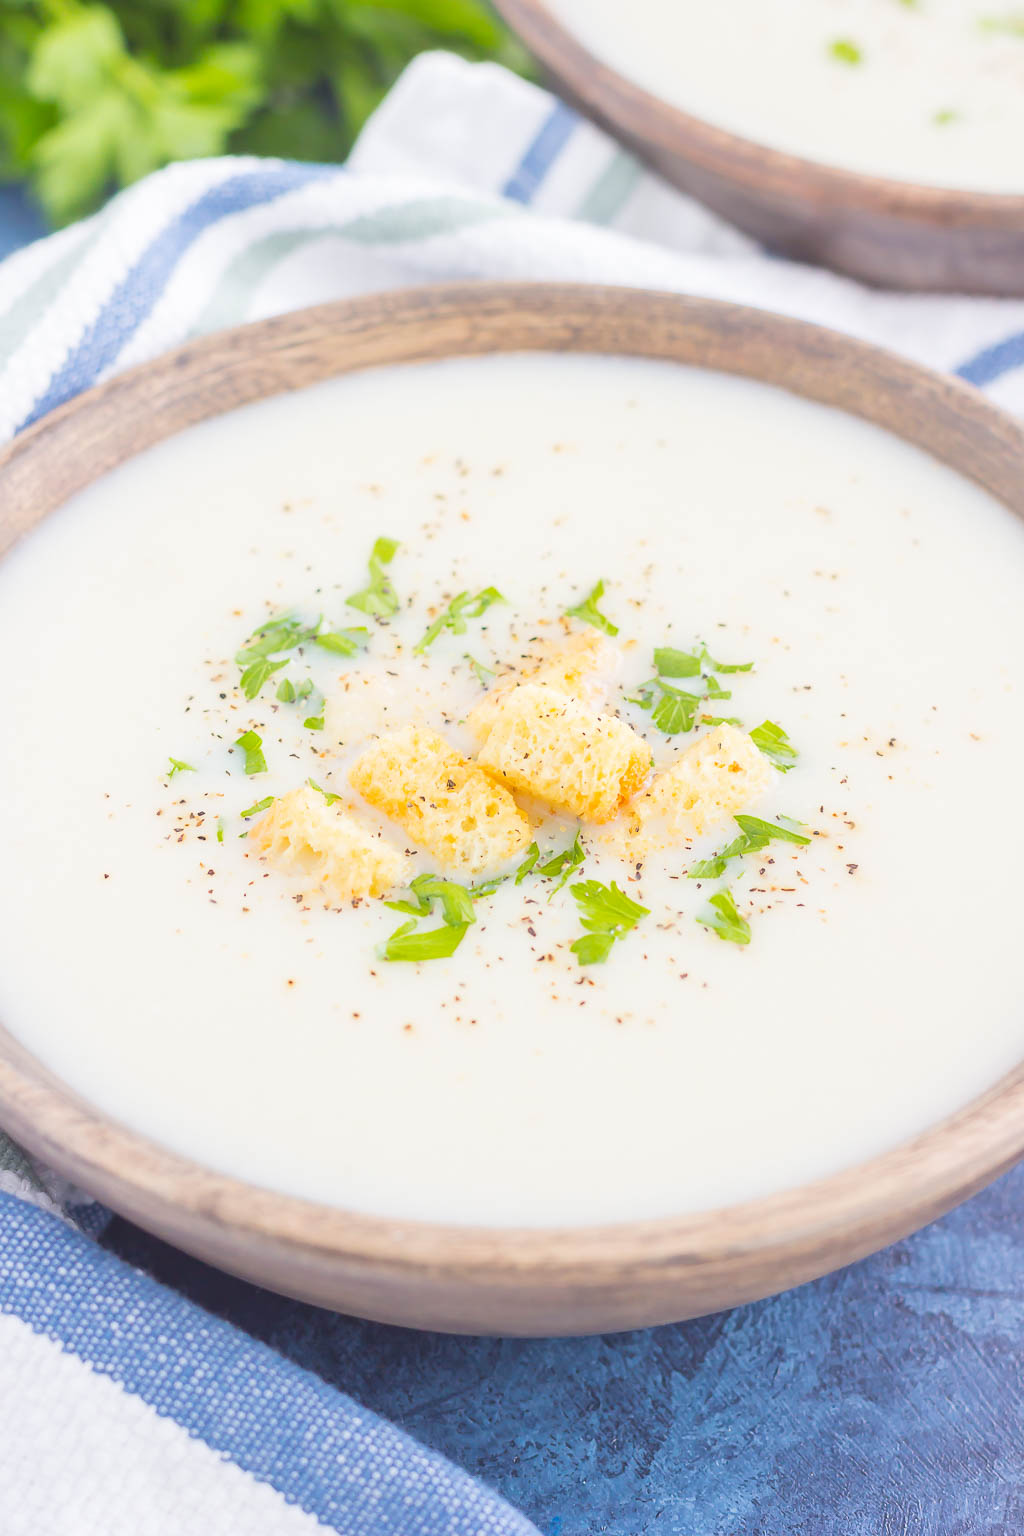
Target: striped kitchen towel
point(124, 1410)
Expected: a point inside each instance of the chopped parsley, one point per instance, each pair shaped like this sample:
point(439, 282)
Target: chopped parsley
point(698, 663)
point(325, 792)
point(343, 642)
point(220, 829)
point(772, 740)
point(563, 864)
point(378, 598)
point(289, 693)
point(755, 834)
point(846, 52)
point(529, 863)
point(314, 722)
point(276, 635)
point(287, 633)
point(725, 920)
point(946, 116)
point(177, 766)
point(482, 674)
point(254, 810)
point(607, 914)
point(456, 900)
point(462, 607)
point(252, 746)
point(457, 913)
point(588, 612)
point(256, 674)
point(674, 710)
point(408, 943)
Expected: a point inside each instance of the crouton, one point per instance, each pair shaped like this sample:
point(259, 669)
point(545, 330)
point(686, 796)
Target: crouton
point(445, 802)
point(582, 667)
point(719, 774)
point(553, 747)
point(302, 834)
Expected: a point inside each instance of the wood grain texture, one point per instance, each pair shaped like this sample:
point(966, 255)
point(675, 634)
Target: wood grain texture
point(477, 1280)
point(891, 233)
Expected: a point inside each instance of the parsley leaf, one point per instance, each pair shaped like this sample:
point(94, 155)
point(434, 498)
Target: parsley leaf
point(177, 766)
point(427, 944)
point(772, 740)
point(457, 912)
point(587, 611)
point(314, 722)
point(772, 831)
point(343, 642)
point(254, 810)
point(456, 901)
point(276, 635)
point(378, 598)
point(256, 674)
point(564, 864)
point(528, 864)
point(220, 829)
point(482, 674)
point(673, 663)
point(252, 746)
point(845, 51)
point(725, 920)
point(292, 693)
point(462, 607)
point(607, 914)
point(755, 834)
point(325, 792)
point(672, 709)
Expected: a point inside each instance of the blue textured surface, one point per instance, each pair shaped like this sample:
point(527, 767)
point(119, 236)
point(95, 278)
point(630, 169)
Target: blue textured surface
point(885, 1400)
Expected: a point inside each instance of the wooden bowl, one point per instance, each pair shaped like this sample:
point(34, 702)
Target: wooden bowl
point(892, 233)
point(475, 1280)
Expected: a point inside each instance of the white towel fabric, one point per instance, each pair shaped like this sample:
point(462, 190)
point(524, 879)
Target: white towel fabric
point(124, 1409)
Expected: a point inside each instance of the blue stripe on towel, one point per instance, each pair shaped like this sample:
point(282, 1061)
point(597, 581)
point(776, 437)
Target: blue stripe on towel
point(542, 152)
point(987, 366)
point(343, 1465)
point(134, 298)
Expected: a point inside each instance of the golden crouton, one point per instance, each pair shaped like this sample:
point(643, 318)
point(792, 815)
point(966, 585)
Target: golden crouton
point(719, 774)
point(303, 834)
point(582, 667)
point(446, 803)
point(555, 748)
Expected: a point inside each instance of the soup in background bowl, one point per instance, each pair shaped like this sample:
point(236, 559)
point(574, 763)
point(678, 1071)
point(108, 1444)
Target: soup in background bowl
point(876, 137)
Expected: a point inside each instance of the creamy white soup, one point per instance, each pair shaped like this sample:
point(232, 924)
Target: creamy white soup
point(927, 91)
point(851, 987)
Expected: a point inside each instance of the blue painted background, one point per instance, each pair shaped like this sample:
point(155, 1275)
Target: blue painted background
point(883, 1401)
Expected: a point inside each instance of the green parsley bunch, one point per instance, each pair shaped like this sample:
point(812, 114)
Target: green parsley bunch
point(93, 96)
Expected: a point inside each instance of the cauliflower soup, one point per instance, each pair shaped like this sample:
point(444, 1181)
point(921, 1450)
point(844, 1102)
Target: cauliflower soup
point(520, 790)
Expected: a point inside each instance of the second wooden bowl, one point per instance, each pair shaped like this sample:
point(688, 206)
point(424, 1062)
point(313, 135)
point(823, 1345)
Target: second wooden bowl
point(500, 1280)
point(891, 233)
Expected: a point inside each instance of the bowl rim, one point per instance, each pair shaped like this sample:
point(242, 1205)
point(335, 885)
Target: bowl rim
point(792, 1234)
point(759, 168)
